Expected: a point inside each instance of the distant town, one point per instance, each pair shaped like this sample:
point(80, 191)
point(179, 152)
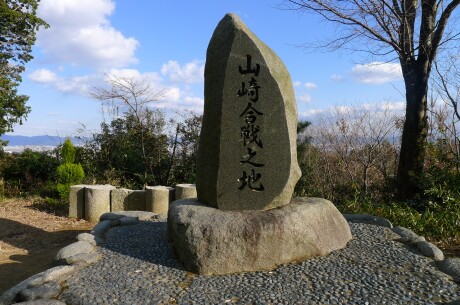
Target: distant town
point(37, 143)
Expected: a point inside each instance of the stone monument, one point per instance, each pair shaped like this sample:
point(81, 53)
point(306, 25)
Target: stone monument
point(244, 218)
point(247, 157)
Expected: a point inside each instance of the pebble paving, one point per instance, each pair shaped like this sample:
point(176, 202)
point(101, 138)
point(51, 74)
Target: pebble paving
point(139, 267)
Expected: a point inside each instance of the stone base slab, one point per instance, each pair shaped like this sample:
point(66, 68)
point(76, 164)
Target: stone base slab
point(212, 241)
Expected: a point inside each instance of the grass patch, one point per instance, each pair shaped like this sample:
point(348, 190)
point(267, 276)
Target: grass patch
point(436, 222)
point(53, 206)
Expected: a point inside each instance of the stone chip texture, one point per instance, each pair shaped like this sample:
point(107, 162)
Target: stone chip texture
point(221, 147)
point(451, 266)
point(46, 291)
point(213, 241)
point(78, 247)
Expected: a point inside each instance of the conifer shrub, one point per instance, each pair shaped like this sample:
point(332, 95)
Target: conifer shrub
point(68, 173)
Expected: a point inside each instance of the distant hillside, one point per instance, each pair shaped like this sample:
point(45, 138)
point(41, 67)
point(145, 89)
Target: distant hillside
point(36, 140)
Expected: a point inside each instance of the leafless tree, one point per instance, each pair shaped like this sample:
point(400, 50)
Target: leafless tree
point(414, 30)
point(447, 80)
point(132, 95)
point(358, 143)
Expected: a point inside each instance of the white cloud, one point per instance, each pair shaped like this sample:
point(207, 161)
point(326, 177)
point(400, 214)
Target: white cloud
point(173, 94)
point(194, 101)
point(190, 73)
point(310, 113)
point(336, 77)
point(80, 34)
point(79, 85)
point(310, 85)
point(43, 76)
point(176, 96)
point(377, 72)
point(297, 84)
point(306, 98)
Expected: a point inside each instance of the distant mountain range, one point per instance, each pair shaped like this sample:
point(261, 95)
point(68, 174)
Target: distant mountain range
point(37, 140)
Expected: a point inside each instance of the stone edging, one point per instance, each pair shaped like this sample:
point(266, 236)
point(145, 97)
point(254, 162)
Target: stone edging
point(450, 266)
point(39, 289)
point(42, 288)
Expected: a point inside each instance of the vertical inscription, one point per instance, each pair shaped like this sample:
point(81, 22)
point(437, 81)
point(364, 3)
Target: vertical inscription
point(249, 134)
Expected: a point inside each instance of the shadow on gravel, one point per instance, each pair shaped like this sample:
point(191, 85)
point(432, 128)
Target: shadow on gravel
point(41, 247)
point(147, 241)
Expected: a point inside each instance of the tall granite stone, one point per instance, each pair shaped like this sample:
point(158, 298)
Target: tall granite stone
point(244, 218)
point(247, 156)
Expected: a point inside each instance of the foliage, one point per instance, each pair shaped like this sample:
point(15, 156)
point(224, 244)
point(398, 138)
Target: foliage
point(68, 152)
point(410, 32)
point(17, 35)
point(436, 221)
point(51, 205)
point(348, 155)
point(185, 149)
point(68, 173)
point(29, 172)
point(114, 155)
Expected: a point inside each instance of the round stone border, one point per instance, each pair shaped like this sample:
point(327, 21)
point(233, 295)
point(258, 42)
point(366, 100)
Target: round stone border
point(45, 287)
point(40, 289)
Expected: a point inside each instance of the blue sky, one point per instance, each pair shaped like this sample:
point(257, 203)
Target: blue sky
point(166, 41)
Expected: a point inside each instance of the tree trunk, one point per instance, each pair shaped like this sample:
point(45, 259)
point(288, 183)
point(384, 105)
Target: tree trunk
point(414, 135)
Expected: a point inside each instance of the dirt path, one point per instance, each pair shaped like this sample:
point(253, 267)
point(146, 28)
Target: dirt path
point(30, 239)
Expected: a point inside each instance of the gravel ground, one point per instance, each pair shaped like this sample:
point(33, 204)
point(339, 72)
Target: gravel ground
point(138, 267)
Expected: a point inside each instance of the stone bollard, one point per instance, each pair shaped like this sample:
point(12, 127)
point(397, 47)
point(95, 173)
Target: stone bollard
point(127, 200)
point(97, 201)
point(172, 194)
point(157, 199)
point(184, 191)
point(77, 201)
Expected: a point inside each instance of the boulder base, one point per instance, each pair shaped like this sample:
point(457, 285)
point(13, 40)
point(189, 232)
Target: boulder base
point(213, 241)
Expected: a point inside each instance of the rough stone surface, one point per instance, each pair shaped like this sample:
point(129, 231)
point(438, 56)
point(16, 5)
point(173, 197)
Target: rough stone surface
point(369, 219)
point(77, 201)
point(128, 221)
point(93, 240)
point(46, 291)
point(83, 259)
point(430, 250)
point(408, 236)
point(451, 266)
point(185, 191)
point(42, 302)
point(157, 199)
point(101, 227)
point(247, 157)
point(73, 249)
point(97, 201)
point(141, 215)
point(139, 267)
point(127, 200)
point(214, 241)
point(56, 274)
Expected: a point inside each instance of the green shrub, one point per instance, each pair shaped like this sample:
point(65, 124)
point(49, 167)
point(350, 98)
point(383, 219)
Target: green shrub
point(436, 221)
point(68, 174)
point(51, 205)
point(68, 152)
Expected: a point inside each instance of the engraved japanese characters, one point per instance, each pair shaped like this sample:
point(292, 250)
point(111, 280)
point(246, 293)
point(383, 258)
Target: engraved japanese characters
point(247, 153)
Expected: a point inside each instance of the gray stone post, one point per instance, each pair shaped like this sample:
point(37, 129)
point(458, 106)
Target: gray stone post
point(97, 201)
point(157, 199)
point(184, 191)
point(172, 194)
point(77, 201)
